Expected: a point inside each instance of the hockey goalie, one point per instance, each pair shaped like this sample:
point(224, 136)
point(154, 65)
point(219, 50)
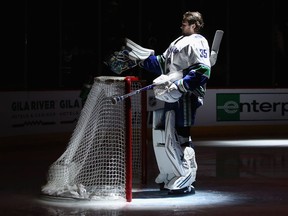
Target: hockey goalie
point(181, 72)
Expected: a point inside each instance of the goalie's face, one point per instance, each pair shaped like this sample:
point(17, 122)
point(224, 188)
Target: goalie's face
point(187, 29)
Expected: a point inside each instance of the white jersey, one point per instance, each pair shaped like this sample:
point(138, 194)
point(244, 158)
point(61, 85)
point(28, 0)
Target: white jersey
point(186, 51)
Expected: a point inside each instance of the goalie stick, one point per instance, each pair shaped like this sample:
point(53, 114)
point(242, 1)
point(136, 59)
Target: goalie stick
point(213, 58)
point(215, 46)
point(117, 99)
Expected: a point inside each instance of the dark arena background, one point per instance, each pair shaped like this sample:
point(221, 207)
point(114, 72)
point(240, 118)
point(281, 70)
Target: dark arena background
point(51, 49)
point(66, 41)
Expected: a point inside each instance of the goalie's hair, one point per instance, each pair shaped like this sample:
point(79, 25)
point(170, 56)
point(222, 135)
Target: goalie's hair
point(194, 17)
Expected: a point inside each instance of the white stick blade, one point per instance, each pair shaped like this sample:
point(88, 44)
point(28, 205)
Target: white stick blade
point(215, 46)
point(217, 40)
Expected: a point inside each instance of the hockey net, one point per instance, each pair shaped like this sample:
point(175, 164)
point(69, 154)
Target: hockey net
point(105, 156)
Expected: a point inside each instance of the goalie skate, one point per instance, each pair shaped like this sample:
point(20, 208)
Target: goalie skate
point(184, 191)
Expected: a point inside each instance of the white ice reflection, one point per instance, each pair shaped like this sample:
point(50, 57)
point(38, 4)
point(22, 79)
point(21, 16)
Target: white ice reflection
point(245, 143)
point(152, 199)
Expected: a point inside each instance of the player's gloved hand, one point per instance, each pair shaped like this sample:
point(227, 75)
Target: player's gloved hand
point(162, 80)
point(180, 84)
point(167, 92)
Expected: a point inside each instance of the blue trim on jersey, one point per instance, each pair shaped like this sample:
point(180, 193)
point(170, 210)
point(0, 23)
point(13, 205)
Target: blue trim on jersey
point(194, 80)
point(154, 64)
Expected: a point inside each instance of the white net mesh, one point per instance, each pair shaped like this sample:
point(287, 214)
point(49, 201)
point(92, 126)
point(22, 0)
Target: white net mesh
point(94, 163)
